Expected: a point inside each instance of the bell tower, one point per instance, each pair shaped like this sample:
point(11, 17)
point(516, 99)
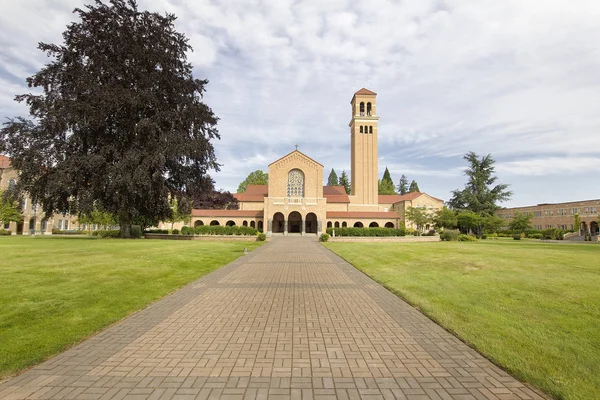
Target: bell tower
point(364, 154)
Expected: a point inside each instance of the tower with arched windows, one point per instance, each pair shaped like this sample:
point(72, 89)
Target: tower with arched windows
point(363, 147)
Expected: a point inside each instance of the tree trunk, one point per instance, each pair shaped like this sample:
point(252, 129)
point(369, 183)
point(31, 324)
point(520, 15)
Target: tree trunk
point(125, 225)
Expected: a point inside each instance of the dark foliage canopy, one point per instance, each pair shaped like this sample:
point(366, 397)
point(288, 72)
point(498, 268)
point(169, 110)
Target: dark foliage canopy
point(414, 187)
point(119, 124)
point(403, 185)
point(479, 194)
point(345, 182)
point(215, 200)
point(332, 180)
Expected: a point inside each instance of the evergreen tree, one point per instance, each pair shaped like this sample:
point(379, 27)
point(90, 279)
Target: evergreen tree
point(119, 124)
point(385, 187)
point(403, 185)
point(414, 187)
point(333, 178)
point(345, 182)
point(479, 195)
point(387, 177)
point(257, 177)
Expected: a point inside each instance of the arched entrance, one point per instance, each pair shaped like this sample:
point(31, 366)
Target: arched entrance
point(311, 223)
point(245, 223)
point(594, 230)
point(358, 224)
point(260, 226)
point(32, 225)
point(373, 225)
point(278, 221)
point(584, 228)
point(344, 224)
point(198, 223)
point(214, 223)
point(389, 225)
point(230, 223)
point(19, 227)
point(294, 222)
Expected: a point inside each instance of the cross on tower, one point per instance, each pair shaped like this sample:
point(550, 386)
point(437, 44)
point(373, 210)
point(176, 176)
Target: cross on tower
point(296, 146)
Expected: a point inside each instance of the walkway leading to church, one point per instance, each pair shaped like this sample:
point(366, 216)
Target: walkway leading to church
point(289, 320)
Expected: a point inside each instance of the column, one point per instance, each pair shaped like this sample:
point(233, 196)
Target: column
point(269, 227)
point(303, 223)
point(319, 226)
point(285, 227)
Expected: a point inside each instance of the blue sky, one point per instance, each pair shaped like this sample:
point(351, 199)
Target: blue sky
point(518, 79)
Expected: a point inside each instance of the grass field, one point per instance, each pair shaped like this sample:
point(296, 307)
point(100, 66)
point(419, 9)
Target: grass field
point(532, 307)
point(55, 292)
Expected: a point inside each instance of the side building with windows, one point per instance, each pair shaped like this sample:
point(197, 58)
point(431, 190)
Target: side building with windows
point(560, 215)
point(34, 220)
point(295, 200)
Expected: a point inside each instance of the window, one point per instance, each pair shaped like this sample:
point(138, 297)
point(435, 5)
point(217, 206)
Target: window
point(361, 129)
point(66, 224)
point(369, 109)
point(12, 183)
point(60, 224)
point(6, 225)
point(537, 213)
point(362, 109)
point(295, 184)
point(370, 129)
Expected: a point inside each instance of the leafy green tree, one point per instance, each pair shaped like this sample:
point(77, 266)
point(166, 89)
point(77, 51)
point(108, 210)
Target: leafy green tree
point(386, 187)
point(332, 180)
point(387, 178)
point(99, 217)
point(9, 208)
point(119, 122)
point(492, 223)
point(414, 187)
point(445, 218)
point(469, 221)
point(417, 216)
point(403, 185)
point(520, 222)
point(345, 182)
point(480, 195)
point(257, 177)
point(577, 223)
point(179, 214)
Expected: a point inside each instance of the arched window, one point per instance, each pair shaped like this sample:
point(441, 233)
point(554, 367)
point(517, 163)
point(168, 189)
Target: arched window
point(337, 224)
point(370, 129)
point(245, 223)
point(329, 224)
point(368, 108)
point(344, 224)
point(295, 184)
point(373, 225)
point(358, 224)
point(361, 129)
point(252, 224)
point(230, 223)
point(362, 108)
point(12, 183)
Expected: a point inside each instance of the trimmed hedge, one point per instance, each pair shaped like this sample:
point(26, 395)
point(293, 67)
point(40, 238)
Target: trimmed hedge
point(108, 234)
point(69, 232)
point(466, 238)
point(449, 235)
point(366, 232)
point(219, 230)
point(4, 232)
point(261, 237)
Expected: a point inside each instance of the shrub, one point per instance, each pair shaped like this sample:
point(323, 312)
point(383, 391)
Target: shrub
point(466, 238)
point(161, 231)
point(449, 235)
point(430, 233)
point(517, 236)
point(136, 231)
point(224, 230)
point(374, 232)
point(108, 234)
point(535, 235)
point(261, 237)
point(186, 230)
point(175, 232)
point(324, 237)
point(493, 236)
point(4, 232)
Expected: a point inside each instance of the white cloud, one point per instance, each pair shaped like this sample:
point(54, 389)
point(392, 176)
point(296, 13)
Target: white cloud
point(514, 78)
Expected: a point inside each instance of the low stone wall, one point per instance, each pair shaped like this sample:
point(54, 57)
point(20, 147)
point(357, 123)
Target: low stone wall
point(394, 239)
point(221, 238)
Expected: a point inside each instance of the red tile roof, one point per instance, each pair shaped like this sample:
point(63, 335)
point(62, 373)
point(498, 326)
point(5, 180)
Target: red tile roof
point(254, 193)
point(334, 190)
point(227, 213)
point(363, 214)
point(365, 92)
point(4, 162)
point(257, 189)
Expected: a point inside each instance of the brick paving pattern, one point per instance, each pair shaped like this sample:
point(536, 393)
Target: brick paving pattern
point(289, 320)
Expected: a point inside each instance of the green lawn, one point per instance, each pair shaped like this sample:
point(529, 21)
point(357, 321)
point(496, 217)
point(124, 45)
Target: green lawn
point(532, 307)
point(55, 292)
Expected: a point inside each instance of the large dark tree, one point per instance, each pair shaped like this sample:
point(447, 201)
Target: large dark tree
point(119, 124)
point(215, 200)
point(480, 195)
point(414, 187)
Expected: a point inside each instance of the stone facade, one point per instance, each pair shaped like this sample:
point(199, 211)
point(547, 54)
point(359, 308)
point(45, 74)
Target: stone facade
point(295, 200)
point(560, 215)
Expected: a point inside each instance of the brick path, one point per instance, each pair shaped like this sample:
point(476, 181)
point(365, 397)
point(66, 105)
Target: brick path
point(289, 320)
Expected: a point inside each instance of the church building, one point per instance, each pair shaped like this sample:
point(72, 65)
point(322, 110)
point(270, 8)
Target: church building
point(295, 200)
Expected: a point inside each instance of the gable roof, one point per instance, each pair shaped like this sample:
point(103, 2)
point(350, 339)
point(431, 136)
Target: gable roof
point(292, 152)
point(365, 92)
point(4, 162)
point(394, 198)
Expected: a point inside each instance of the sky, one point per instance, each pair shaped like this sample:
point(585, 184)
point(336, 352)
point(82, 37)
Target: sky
point(517, 79)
